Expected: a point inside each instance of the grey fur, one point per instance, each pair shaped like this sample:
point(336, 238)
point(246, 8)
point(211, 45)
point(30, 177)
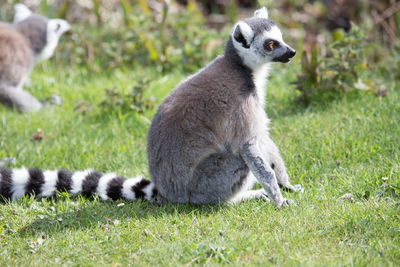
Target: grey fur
point(16, 62)
point(21, 45)
point(21, 99)
point(34, 28)
point(259, 25)
point(209, 136)
point(261, 169)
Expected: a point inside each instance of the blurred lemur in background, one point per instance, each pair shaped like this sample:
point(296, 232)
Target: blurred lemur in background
point(208, 141)
point(30, 39)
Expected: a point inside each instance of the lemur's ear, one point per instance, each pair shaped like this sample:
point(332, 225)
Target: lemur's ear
point(243, 34)
point(21, 12)
point(261, 13)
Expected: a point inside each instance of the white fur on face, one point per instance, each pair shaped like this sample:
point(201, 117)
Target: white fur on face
point(55, 28)
point(274, 34)
point(248, 55)
point(246, 31)
point(255, 57)
point(21, 13)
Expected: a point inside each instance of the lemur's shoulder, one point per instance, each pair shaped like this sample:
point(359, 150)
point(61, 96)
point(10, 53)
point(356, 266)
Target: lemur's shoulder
point(16, 57)
point(9, 35)
point(219, 79)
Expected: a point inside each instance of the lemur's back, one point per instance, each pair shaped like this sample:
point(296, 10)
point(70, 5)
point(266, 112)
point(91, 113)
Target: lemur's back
point(201, 113)
point(14, 55)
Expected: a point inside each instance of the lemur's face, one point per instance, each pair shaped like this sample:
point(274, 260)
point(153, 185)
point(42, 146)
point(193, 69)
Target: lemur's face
point(48, 31)
point(258, 40)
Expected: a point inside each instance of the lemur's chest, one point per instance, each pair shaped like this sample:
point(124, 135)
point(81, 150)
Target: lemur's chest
point(245, 122)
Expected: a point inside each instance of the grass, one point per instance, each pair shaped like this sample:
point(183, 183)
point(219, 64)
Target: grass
point(342, 146)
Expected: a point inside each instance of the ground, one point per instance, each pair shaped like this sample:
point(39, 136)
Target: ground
point(349, 144)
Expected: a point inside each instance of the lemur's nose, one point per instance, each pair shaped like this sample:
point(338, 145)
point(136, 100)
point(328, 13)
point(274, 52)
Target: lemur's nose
point(292, 52)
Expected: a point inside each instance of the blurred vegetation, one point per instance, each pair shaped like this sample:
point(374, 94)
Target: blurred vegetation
point(347, 46)
point(142, 42)
point(112, 34)
point(345, 64)
point(132, 101)
point(185, 35)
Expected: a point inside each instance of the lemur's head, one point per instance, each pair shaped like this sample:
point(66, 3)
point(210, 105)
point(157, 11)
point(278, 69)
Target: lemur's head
point(258, 40)
point(42, 33)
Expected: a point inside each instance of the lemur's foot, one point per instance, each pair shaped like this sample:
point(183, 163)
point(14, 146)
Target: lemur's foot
point(159, 200)
point(285, 203)
point(6, 161)
point(264, 196)
point(54, 100)
point(293, 188)
point(298, 188)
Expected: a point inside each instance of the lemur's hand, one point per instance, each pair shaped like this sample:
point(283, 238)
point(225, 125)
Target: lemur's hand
point(285, 203)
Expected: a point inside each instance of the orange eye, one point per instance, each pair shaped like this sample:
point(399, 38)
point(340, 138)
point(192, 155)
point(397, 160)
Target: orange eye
point(271, 46)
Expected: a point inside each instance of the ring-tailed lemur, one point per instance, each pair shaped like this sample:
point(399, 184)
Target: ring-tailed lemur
point(208, 141)
point(29, 39)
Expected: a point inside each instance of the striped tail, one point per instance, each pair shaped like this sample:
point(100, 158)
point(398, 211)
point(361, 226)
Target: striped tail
point(15, 183)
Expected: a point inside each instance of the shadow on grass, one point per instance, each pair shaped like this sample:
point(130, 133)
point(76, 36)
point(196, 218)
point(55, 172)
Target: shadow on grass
point(92, 212)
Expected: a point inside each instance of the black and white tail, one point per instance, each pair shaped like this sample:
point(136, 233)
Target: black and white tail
point(15, 183)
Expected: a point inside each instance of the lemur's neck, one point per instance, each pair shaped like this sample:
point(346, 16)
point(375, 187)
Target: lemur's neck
point(254, 79)
point(260, 79)
point(233, 57)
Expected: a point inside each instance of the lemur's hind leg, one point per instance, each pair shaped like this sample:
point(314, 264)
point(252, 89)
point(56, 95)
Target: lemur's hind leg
point(249, 194)
point(246, 192)
point(23, 100)
point(278, 166)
